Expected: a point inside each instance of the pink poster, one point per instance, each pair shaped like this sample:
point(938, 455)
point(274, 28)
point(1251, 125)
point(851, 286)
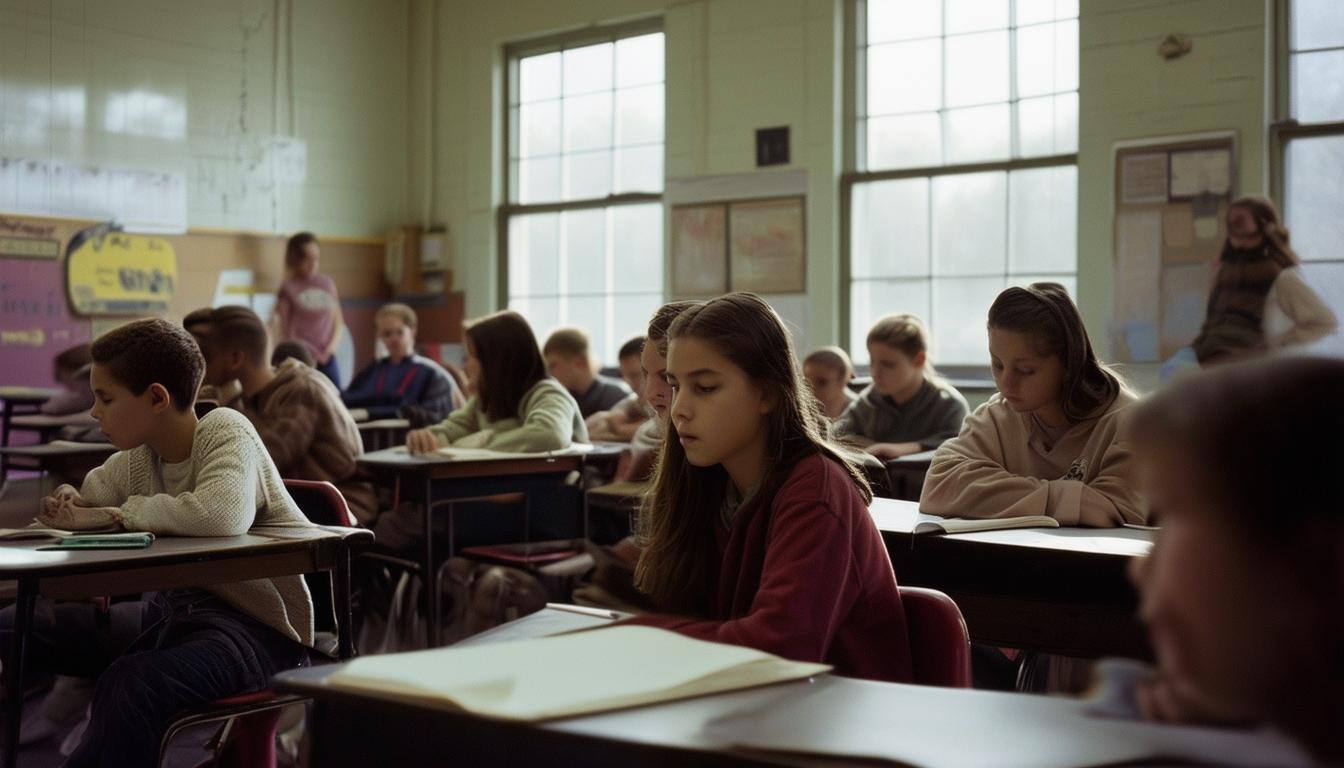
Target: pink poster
point(35, 321)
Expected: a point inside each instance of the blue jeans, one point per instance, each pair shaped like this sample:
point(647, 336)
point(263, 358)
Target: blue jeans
point(153, 659)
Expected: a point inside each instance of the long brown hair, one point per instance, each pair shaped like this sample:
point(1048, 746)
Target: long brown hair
point(511, 363)
point(676, 523)
point(1045, 313)
point(1267, 220)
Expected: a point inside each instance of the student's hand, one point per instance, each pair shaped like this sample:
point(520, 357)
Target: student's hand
point(67, 510)
point(423, 441)
point(889, 451)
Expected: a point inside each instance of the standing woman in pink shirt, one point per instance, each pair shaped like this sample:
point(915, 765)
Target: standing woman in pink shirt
point(307, 308)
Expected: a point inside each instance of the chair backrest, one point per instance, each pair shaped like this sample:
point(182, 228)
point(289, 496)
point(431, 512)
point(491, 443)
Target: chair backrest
point(940, 647)
point(321, 502)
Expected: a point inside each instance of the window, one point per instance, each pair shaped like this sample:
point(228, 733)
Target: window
point(1311, 136)
point(583, 226)
point(965, 150)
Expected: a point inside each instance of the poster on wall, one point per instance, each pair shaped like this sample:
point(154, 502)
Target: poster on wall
point(767, 246)
point(699, 250)
point(108, 272)
point(1171, 205)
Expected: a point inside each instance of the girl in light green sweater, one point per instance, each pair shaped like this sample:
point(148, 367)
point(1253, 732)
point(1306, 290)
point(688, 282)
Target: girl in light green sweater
point(515, 405)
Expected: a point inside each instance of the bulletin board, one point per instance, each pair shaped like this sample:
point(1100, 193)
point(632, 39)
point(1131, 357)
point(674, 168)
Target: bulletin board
point(1170, 204)
point(757, 245)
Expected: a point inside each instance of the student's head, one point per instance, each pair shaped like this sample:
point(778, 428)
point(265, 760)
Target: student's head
point(301, 255)
point(827, 371)
point(291, 349)
point(1041, 357)
point(628, 359)
point(653, 357)
point(1242, 592)
point(503, 362)
point(568, 359)
point(67, 365)
point(897, 354)
point(143, 372)
point(1253, 223)
point(395, 324)
point(739, 415)
point(232, 340)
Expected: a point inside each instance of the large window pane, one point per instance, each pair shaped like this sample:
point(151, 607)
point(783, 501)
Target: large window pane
point(1037, 11)
point(1313, 168)
point(588, 122)
point(1327, 279)
point(976, 15)
point(534, 254)
point(630, 315)
point(905, 141)
point(589, 314)
point(890, 229)
point(1317, 24)
point(873, 299)
point(960, 306)
point(890, 20)
point(539, 77)
point(637, 247)
point(585, 250)
point(539, 180)
point(977, 69)
point(639, 60)
point(977, 134)
point(969, 223)
point(639, 115)
point(905, 77)
point(1043, 220)
point(639, 169)
point(539, 129)
point(1318, 86)
point(588, 69)
point(1047, 58)
point(588, 174)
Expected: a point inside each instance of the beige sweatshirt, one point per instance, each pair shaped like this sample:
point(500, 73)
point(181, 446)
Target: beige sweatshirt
point(227, 487)
point(1294, 313)
point(999, 467)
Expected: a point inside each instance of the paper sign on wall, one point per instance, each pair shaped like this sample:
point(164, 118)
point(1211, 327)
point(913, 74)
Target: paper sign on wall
point(116, 273)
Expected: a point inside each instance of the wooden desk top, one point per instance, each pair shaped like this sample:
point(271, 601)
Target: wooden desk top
point(389, 424)
point(59, 448)
point(27, 395)
point(439, 466)
point(43, 421)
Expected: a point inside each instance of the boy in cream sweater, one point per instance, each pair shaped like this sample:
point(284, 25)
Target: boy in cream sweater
point(173, 475)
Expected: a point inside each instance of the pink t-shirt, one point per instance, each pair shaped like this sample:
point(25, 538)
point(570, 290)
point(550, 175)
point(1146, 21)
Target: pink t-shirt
point(310, 301)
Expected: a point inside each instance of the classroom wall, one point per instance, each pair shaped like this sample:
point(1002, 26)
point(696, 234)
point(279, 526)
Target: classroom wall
point(732, 66)
point(216, 91)
point(1127, 92)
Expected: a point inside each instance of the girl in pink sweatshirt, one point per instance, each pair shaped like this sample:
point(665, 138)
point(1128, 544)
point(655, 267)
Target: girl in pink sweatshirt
point(1050, 442)
point(756, 531)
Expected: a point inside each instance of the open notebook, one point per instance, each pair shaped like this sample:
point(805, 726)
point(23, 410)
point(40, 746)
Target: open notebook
point(934, 524)
point(571, 674)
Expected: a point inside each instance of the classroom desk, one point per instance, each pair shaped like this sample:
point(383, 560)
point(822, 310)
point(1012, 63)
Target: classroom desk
point(18, 401)
point(466, 477)
point(1059, 590)
point(45, 426)
point(168, 563)
point(853, 714)
point(383, 433)
point(905, 475)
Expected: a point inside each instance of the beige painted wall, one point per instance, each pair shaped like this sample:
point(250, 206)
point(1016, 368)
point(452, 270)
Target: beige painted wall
point(200, 87)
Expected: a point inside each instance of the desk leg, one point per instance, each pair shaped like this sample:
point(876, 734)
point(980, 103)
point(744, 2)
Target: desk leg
point(8, 415)
point(345, 617)
point(428, 572)
point(13, 673)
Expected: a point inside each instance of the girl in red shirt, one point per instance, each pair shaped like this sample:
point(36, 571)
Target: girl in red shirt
point(756, 531)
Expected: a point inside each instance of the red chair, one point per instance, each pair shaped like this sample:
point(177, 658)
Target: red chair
point(940, 646)
point(247, 737)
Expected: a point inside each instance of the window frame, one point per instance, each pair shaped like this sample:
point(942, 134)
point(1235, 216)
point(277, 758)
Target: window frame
point(507, 209)
point(852, 154)
point(1284, 128)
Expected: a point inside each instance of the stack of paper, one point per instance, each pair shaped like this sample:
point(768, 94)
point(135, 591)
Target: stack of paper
point(571, 674)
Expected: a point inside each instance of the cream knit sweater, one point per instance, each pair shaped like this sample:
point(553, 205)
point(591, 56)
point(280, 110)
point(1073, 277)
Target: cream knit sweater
point(228, 486)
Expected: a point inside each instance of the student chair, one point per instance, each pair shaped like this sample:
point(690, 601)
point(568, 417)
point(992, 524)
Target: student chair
point(250, 720)
point(940, 646)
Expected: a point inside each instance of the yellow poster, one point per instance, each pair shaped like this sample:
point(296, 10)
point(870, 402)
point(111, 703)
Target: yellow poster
point(116, 273)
